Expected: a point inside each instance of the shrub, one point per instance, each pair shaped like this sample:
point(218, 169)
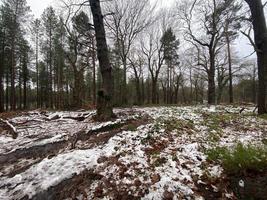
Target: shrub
point(241, 159)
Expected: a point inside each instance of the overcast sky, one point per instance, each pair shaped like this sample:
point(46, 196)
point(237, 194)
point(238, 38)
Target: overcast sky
point(37, 7)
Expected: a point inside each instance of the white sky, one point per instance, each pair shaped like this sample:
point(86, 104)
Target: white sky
point(37, 7)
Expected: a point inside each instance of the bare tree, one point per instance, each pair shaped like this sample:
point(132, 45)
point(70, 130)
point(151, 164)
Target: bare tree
point(126, 21)
point(104, 103)
point(152, 48)
point(137, 64)
point(210, 21)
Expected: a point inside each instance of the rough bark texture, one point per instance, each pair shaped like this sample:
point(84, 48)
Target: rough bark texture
point(104, 101)
point(231, 95)
point(154, 91)
point(1, 80)
point(211, 79)
point(260, 38)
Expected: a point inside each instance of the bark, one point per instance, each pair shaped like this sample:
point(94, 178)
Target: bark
point(1, 89)
point(104, 101)
point(25, 93)
point(50, 71)
point(254, 86)
point(154, 91)
point(124, 90)
point(211, 80)
point(137, 86)
point(231, 95)
point(37, 71)
point(260, 39)
point(12, 91)
point(7, 93)
point(94, 72)
point(138, 92)
point(1, 79)
point(77, 90)
point(20, 90)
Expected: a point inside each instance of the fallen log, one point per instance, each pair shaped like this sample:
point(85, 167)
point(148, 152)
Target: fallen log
point(6, 126)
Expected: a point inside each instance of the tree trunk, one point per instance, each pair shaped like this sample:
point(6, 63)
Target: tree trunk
point(154, 91)
point(124, 95)
point(260, 38)
point(231, 95)
point(1, 78)
point(13, 89)
point(51, 103)
point(254, 86)
point(37, 70)
point(211, 80)
point(104, 101)
point(25, 92)
point(94, 72)
point(143, 90)
point(20, 89)
point(1, 89)
point(138, 91)
point(7, 93)
point(77, 90)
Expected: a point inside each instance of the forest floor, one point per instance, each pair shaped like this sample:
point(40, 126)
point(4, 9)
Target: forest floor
point(146, 153)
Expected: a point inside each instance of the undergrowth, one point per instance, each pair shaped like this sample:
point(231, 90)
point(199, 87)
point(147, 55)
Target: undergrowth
point(241, 159)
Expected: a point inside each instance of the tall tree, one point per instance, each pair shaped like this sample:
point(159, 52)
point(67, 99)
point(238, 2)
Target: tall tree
point(49, 22)
point(231, 26)
point(212, 13)
point(129, 18)
point(104, 103)
point(152, 48)
point(170, 50)
point(2, 58)
point(260, 45)
point(36, 31)
point(16, 13)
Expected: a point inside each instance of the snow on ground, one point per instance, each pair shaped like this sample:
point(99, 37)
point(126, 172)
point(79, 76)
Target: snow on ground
point(162, 159)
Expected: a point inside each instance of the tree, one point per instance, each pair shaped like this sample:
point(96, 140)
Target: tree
point(104, 102)
point(2, 58)
point(137, 65)
point(24, 73)
point(49, 23)
point(260, 45)
point(36, 31)
point(79, 38)
point(212, 13)
point(170, 47)
point(15, 15)
point(128, 19)
point(231, 26)
point(152, 48)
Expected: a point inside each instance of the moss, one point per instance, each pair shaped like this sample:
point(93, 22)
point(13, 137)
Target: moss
point(176, 124)
point(216, 121)
point(131, 127)
point(264, 141)
point(241, 159)
point(214, 136)
point(264, 116)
